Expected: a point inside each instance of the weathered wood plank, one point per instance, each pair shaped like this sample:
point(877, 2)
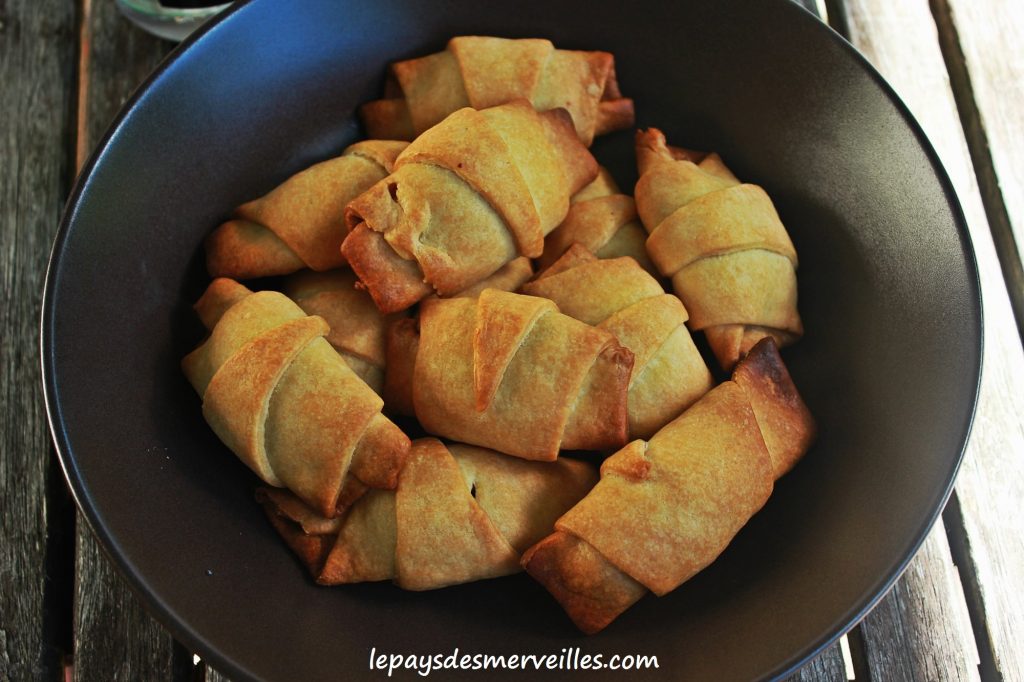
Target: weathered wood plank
point(982, 41)
point(828, 666)
point(913, 634)
point(901, 40)
point(37, 72)
point(115, 639)
point(214, 676)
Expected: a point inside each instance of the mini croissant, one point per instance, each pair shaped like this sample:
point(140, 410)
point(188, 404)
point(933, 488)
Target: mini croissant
point(357, 327)
point(730, 258)
point(460, 513)
point(618, 296)
point(468, 196)
point(510, 372)
point(602, 219)
point(665, 509)
point(481, 72)
point(300, 224)
point(280, 397)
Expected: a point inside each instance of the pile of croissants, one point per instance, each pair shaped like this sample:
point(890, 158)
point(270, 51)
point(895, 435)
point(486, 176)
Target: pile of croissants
point(471, 267)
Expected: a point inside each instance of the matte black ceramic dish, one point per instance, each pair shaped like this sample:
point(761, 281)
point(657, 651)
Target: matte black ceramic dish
point(889, 365)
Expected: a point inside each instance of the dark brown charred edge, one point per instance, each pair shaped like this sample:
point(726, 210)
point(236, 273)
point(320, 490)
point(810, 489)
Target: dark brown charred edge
point(311, 550)
point(785, 421)
point(403, 338)
point(393, 283)
point(612, 431)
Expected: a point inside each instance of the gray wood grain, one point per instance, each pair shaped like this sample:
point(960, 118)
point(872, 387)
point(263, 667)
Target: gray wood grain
point(982, 43)
point(828, 666)
point(921, 631)
point(114, 638)
point(37, 56)
point(902, 40)
point(214, 676)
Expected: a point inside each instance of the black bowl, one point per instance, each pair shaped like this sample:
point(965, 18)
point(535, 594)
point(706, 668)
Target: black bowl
point(888, 291)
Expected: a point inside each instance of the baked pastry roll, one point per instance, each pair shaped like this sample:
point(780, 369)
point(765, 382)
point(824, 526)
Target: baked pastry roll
point(460, 513)
point(283, 400)
point(665, 509)
point(510, 372)
point(617, 295)
point(481, 72)
point(299, 224)
point(358, 329)
point(469, 195)
point(602, 219)
point(721, 241)
point(402, 337)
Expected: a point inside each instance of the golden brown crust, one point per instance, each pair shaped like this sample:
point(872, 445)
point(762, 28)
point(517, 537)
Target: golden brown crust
point(721, 242)
point(592, 591)
point(403, 338)
point(387, 119)
point(357, 326)
point(363, 549)
point(729, 341)
point(785, 421)
point(464, 199)
point(663, 512)
point(617, 295)
point(300, 223)
point(665, 509)
point(481, 72)
point(433, 501)
point(459, 513)
point(604, 221)
point(521, 498)
point(220, 294)
point(576, 254)
point(580, 166)
point(502, 323)
point(285, 402)
point(510, 372)
point(599, 419)
point(245, 249)
point(393, 283)
point(380, 454)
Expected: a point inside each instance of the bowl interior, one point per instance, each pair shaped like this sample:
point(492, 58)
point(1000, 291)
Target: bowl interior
point(888, 292)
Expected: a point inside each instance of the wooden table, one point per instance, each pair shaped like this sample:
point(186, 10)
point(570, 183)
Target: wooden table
point(66, 66)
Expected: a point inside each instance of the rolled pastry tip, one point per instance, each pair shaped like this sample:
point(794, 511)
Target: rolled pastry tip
point(468, 196)
point(284, 401)
point(299, 224)
point(482, 72)
point(665, 509)
point(358, 329)
point(402, 337)
point(602, 219)
point(619, 296)
point(460, 513)
point(723, 245)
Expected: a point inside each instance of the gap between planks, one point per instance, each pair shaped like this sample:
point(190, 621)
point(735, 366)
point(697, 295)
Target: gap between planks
point(978, 144)
point(987, 524)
